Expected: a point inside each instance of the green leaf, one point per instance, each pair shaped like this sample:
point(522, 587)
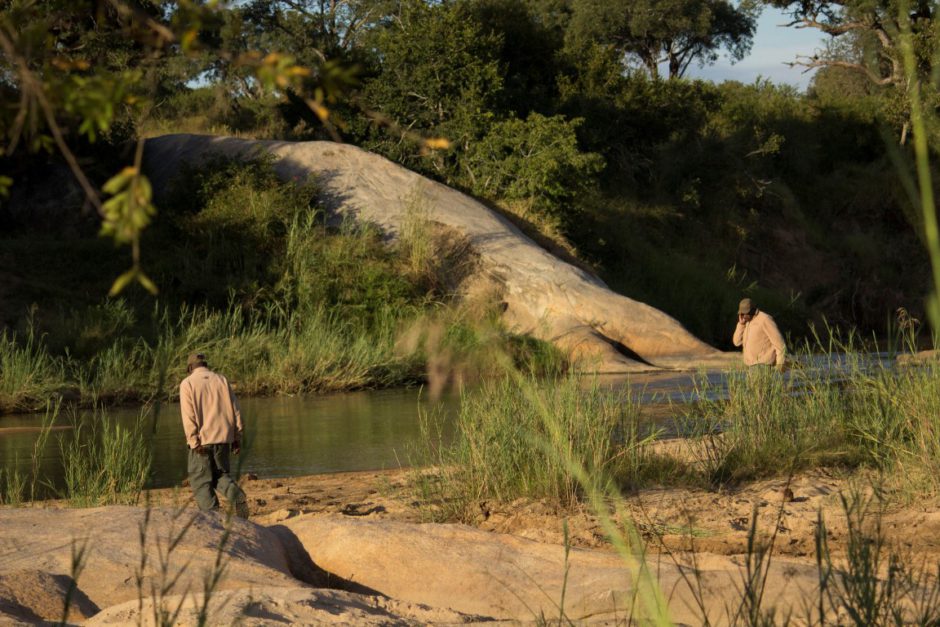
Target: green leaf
point(121, 282)
point(119, 181)
point(149, 285)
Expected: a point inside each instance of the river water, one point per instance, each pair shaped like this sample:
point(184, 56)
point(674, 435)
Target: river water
point(288, 436)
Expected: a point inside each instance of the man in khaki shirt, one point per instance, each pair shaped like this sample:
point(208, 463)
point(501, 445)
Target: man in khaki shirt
point(758, 334)
point(213, 426)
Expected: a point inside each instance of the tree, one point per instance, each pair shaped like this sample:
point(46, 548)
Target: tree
point(868, 38)
point(528, 55)
point(675, 32)
point(873, 26)
point(70, 68)
point(319, 29)
point(438, 73)
point(68, 72)
point(537, 160)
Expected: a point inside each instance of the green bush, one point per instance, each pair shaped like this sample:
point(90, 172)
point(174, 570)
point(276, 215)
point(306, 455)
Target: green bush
point(28, 373)
point(536, 159)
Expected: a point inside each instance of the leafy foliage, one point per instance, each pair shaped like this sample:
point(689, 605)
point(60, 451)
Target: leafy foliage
point(535, 159)
point(682, 193)
point(438, 72)
point(675, 32)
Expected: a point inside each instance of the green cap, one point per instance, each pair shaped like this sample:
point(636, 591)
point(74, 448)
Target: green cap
point(195, 360)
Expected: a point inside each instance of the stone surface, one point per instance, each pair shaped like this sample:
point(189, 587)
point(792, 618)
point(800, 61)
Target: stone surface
point(545, 296)
point(29, 596)
point(36, 545)
point(287, 606)
point(508, 577)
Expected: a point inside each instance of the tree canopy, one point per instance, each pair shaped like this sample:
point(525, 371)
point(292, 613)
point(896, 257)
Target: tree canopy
point(574, 114)
point(672, 32)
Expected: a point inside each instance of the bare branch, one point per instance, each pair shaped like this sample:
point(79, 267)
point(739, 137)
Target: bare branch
point(829, 29)
point(32, 85)
point(814, 62)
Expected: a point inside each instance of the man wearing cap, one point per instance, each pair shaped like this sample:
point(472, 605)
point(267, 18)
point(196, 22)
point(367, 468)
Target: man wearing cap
point(213, 425)
point(758, 334)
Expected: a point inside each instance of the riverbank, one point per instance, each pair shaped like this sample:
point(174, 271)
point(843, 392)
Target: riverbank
point(683, 530)
point(283, 296)
point(669, 519)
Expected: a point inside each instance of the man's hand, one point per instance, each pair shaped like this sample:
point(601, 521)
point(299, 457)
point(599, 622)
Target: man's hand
point(236, 447)
point(201, 449)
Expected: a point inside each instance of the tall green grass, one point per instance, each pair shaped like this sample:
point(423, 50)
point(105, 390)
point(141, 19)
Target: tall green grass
point(503, 449)
point(281, 298)
point(767, 425)
point(538, 438)
point(105, 462)
point(838, 410)
point(28, 373)
point(862, 416)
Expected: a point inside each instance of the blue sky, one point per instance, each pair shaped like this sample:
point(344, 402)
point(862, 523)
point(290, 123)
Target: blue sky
point(773, 45)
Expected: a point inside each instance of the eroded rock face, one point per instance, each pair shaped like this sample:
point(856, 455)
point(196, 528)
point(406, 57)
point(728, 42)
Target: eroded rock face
point(37, 545)
point(545, 296)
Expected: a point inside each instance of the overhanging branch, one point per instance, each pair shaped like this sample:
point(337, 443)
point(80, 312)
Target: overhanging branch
point(814, 62)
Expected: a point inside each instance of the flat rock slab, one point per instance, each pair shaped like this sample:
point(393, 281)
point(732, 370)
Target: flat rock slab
point(285, 606)
point(36, 545)
point(508, 577)
point(545, 297)
point(30, 596)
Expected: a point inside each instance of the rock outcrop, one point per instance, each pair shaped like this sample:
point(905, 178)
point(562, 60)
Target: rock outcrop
point(544, 296)
point(511, 578)
point(377, 571)
point(41, 545)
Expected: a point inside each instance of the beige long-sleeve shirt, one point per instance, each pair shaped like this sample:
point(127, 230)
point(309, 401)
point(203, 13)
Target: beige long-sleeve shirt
point(210, 410)
point(762, 341)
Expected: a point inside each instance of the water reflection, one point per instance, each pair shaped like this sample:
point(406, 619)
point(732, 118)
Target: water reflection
point(687, 387)
point(373, 429)
point(285, 435)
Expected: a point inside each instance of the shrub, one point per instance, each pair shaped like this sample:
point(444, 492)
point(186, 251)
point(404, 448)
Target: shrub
point(534, 159)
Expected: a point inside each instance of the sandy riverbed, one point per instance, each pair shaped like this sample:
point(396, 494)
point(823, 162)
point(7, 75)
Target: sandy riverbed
point(714, 521)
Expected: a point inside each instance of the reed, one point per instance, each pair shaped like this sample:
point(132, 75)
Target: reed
point(498, 450)
point(28, 373)
point(105, 462)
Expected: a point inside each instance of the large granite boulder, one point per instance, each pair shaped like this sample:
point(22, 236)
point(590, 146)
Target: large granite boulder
point(181, 547)
point(512, 578)
point(544, 296)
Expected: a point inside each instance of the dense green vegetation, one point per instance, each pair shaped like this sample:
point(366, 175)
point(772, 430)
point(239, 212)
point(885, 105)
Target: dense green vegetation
point(680, 193)
point(537, 438)
point(574, 116)
point(254, 275)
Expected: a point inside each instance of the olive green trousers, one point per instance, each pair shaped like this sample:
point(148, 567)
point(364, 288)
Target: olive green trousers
point(209, 472)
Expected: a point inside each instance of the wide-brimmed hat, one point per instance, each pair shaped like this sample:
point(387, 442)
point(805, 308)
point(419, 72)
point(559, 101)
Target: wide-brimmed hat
point(746, 306)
